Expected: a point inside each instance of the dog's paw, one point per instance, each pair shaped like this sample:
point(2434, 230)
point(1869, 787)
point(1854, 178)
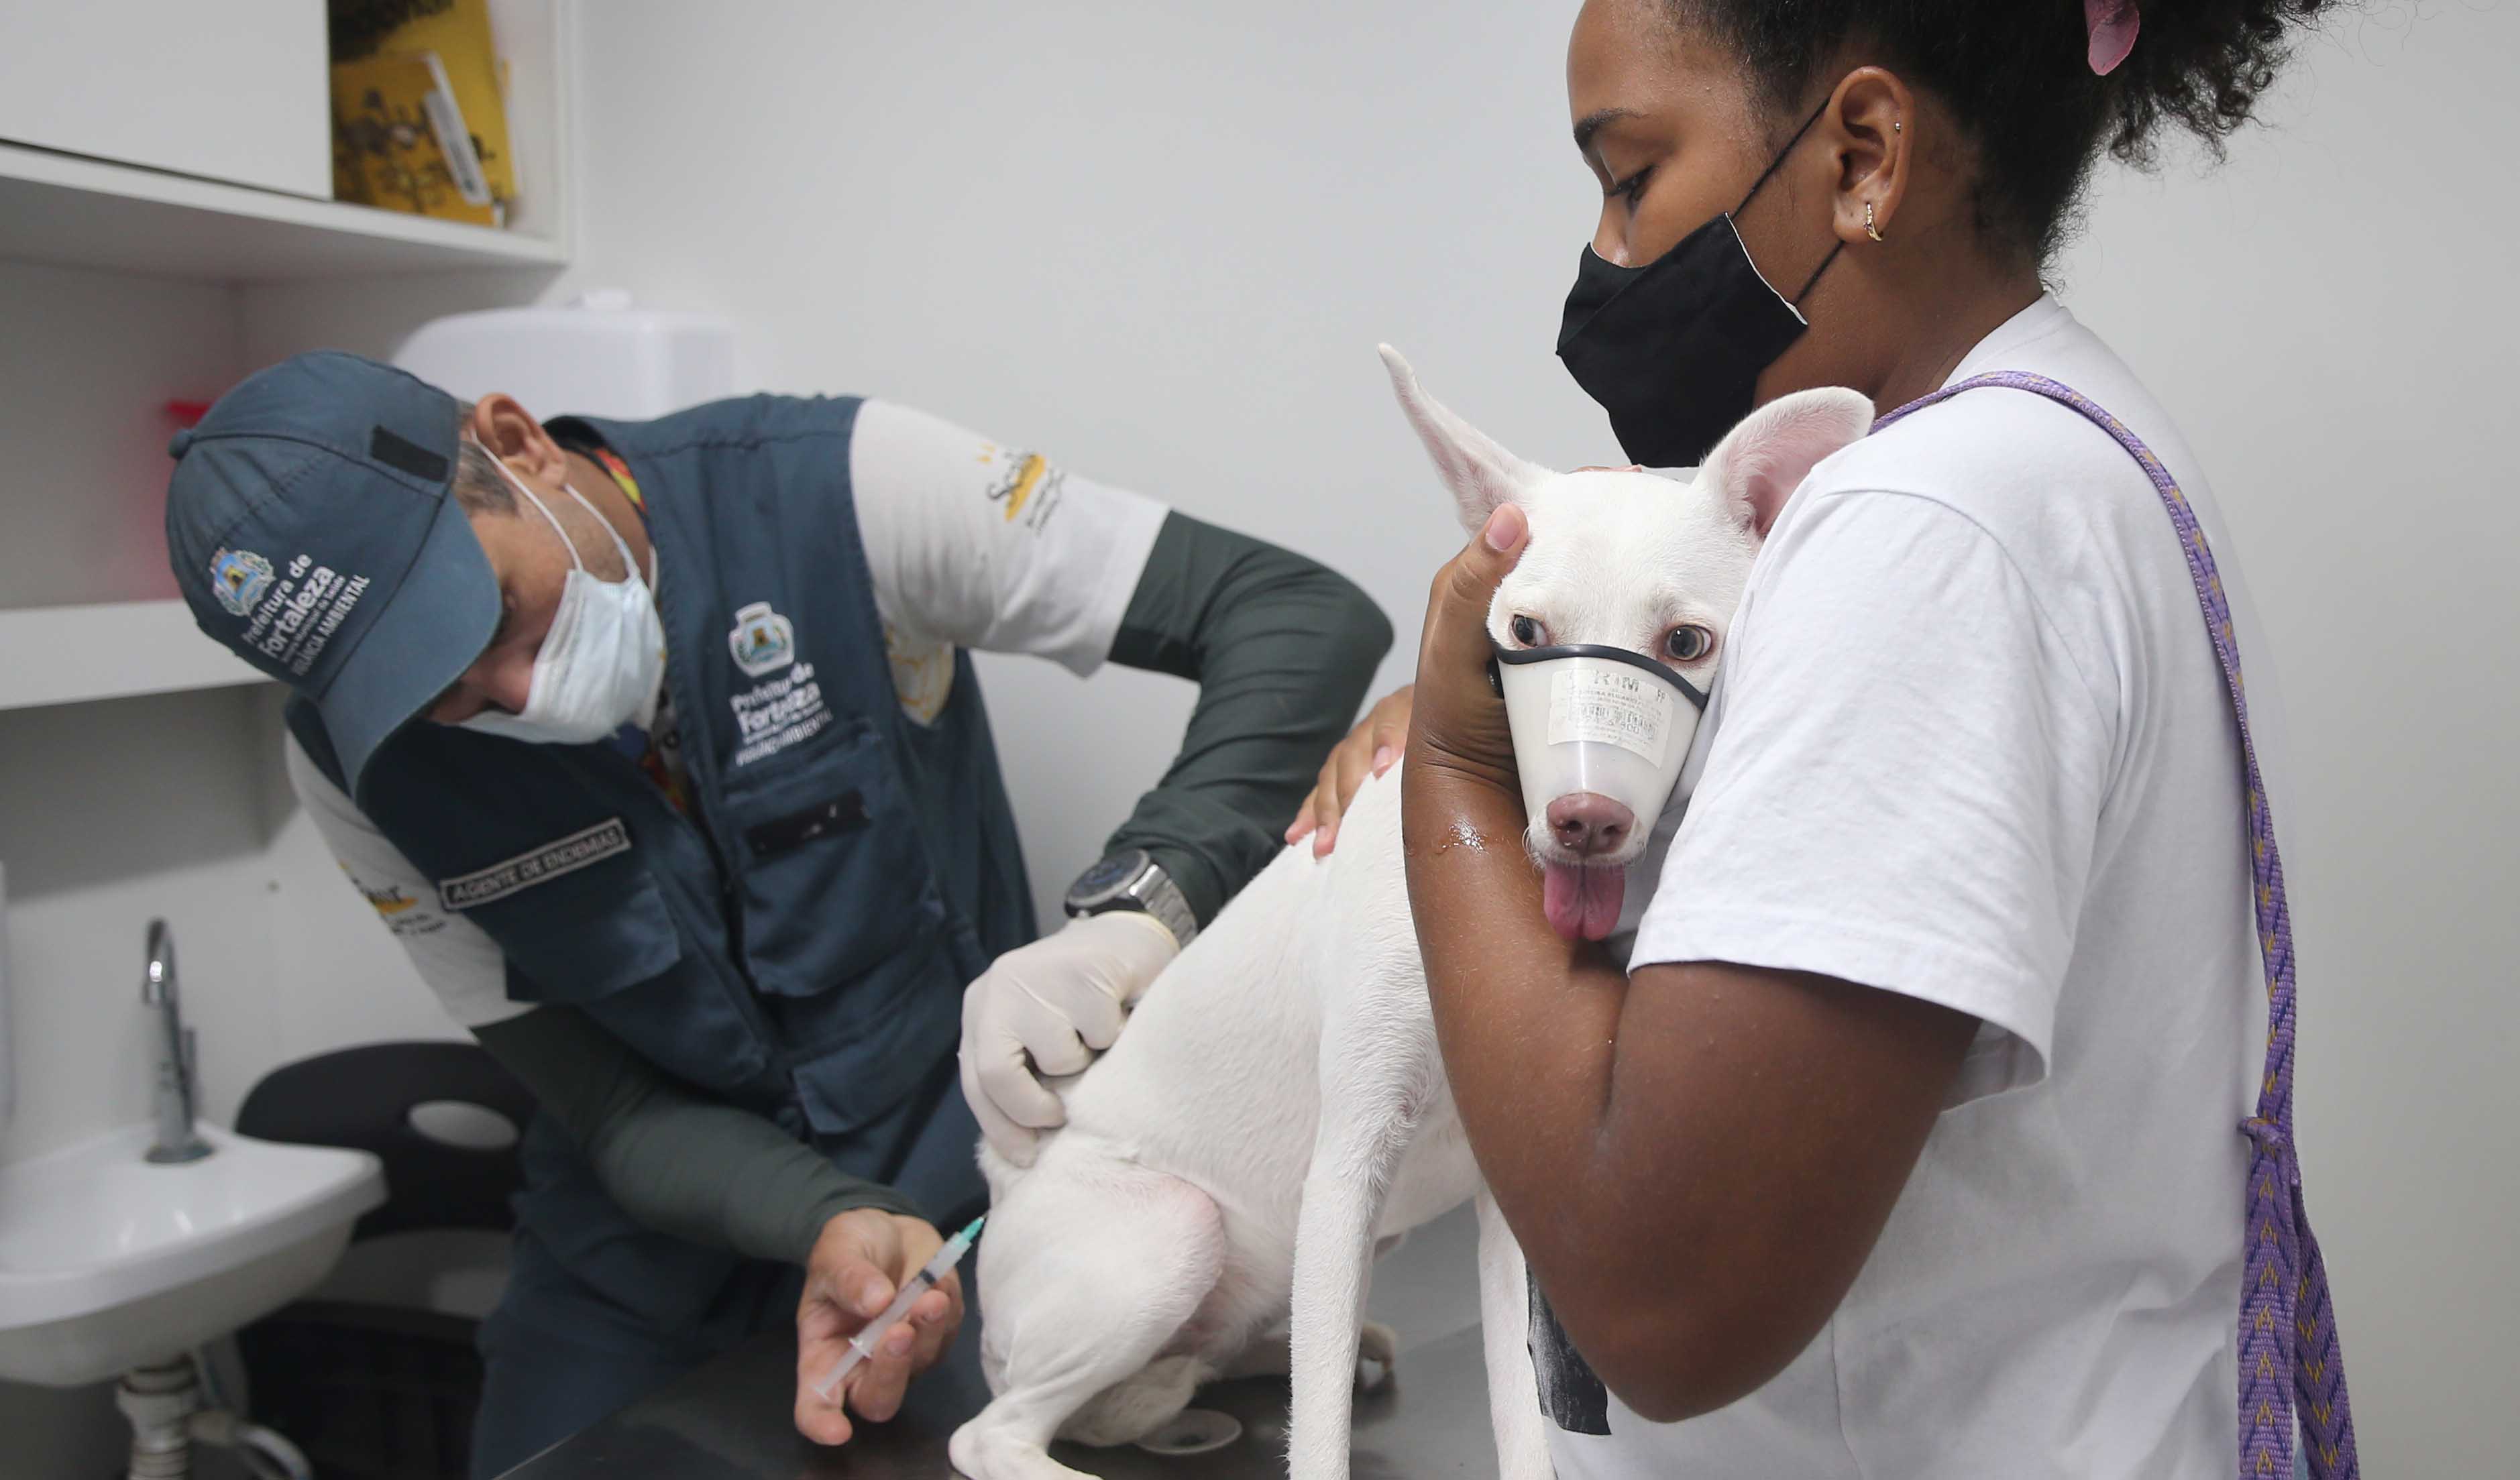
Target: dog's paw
point(1377, 1355)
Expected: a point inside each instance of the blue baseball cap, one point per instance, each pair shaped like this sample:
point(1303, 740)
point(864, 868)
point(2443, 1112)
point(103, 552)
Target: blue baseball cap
point(313, 527)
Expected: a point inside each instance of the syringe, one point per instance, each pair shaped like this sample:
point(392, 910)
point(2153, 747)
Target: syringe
point(863, 1345)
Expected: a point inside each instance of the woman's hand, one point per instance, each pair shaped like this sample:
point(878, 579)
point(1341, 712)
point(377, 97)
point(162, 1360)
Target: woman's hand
point(1456, 731)
point(857, 1266)
point(1372, 749)
point(1468, 730)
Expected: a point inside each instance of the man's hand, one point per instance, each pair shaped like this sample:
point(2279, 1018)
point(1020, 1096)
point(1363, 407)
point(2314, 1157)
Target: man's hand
point(1047, 1008)
point(1372, 749)
point(857, 1266)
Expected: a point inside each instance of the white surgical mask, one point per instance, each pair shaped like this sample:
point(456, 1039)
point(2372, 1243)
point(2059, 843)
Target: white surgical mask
point(601, 665)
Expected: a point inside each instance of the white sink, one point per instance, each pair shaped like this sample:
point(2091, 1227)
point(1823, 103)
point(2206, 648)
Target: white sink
point(108, 1263)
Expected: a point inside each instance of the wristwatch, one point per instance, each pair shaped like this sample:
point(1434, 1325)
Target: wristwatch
point(1131, 879)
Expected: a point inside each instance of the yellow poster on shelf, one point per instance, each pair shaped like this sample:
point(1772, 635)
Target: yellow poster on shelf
point(386, 148)
point(459, 36)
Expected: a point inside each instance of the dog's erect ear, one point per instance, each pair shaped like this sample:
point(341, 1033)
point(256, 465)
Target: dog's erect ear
point(1760, 463)
point(1480, 474)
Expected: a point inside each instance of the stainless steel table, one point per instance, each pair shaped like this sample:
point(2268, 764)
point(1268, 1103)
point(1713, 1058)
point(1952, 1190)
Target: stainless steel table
point(731, 1420)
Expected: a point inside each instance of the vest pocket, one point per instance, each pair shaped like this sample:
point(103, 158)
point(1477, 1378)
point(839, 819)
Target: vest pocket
point(623, 961)
point(855, 1064)
point(832, 874)
point(586, 936)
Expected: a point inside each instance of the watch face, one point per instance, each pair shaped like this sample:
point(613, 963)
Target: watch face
point(1109, 875)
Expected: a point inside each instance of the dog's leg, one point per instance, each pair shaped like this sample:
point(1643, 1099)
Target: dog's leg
point(1268, 1355)
point(1137, 1405)
point(1505, 1325)
point(1085, 1277)
point(1377, 1355)
point(1372, 1098)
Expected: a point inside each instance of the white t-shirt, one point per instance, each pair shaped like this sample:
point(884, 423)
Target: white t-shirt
point(969, 544)
point(1971, 745)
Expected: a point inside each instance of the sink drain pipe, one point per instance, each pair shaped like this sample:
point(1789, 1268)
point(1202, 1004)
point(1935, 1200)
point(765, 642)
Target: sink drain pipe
point(163, 1404)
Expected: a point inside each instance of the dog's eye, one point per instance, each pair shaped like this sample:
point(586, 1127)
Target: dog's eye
point(1688, 644)
point(1526, 632)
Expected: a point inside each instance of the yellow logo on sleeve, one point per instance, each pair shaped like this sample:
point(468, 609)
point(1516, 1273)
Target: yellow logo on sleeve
point(402, 911)
point(1017, 490)
point(1024, 482)
point(390, 902)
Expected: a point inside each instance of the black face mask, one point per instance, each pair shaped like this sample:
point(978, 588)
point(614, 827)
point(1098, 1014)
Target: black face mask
point(1673, 349)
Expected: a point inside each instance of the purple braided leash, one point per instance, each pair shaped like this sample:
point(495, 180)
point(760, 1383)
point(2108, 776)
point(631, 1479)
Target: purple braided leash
point(2288, 1341)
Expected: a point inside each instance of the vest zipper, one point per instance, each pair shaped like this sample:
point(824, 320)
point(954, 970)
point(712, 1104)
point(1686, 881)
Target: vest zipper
point(730, 898)
point(746, 999)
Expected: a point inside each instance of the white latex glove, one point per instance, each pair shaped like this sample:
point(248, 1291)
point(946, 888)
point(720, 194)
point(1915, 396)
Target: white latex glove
point(1057, 1002)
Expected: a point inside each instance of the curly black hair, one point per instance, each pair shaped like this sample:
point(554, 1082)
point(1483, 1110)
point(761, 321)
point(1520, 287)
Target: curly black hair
point(2016, 75)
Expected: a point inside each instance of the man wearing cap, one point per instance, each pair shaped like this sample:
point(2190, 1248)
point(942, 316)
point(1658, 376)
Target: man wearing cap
point(659, 747)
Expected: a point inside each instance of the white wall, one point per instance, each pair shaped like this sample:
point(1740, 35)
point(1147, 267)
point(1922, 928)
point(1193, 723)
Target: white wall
point(1160, 242)
point(170, 805)
point(2333, 316)
point(87, 362)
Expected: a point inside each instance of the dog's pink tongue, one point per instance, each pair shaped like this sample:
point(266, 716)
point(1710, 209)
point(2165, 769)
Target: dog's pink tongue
point(1583, 904)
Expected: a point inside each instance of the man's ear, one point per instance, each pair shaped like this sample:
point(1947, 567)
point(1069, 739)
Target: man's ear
point(1761, 461)
point(515, 438)
point(1480, 474)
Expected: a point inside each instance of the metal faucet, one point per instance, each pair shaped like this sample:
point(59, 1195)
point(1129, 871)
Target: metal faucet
point(176, 1060)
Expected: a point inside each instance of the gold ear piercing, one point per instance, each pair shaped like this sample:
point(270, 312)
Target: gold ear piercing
point(1870, 230)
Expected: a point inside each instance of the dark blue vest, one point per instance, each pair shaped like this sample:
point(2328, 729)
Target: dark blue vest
point(800, 945)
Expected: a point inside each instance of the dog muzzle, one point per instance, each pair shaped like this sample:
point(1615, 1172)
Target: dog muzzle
point(1599, 737)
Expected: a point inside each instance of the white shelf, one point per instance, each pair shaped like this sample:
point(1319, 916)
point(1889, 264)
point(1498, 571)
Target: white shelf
point(84, 212)
point(73, 655)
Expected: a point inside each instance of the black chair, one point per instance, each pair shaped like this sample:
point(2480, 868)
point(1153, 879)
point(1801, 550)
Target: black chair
point(375, 1390)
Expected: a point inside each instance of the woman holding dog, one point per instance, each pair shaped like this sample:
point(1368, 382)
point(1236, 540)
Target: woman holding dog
point(1903, 1142)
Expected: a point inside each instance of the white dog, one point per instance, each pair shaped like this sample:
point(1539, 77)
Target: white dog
point(1276, 1107)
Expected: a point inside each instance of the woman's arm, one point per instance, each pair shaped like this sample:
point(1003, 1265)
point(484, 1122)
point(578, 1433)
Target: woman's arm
point(1371, 749)
point(1696, 1161)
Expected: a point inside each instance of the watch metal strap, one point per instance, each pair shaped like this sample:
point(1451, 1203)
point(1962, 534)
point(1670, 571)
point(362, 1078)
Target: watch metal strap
point(1156, 892)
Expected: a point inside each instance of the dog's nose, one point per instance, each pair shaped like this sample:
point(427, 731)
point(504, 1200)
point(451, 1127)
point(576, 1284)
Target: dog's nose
point(1586, 823)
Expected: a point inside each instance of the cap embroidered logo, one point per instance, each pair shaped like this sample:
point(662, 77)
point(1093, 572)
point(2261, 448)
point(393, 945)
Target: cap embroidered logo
point(238, 579)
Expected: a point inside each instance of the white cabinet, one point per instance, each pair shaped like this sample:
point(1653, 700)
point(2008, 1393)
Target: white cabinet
point(154, 157)
point(193, 139)
point(231, 90)
point(111, 650)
